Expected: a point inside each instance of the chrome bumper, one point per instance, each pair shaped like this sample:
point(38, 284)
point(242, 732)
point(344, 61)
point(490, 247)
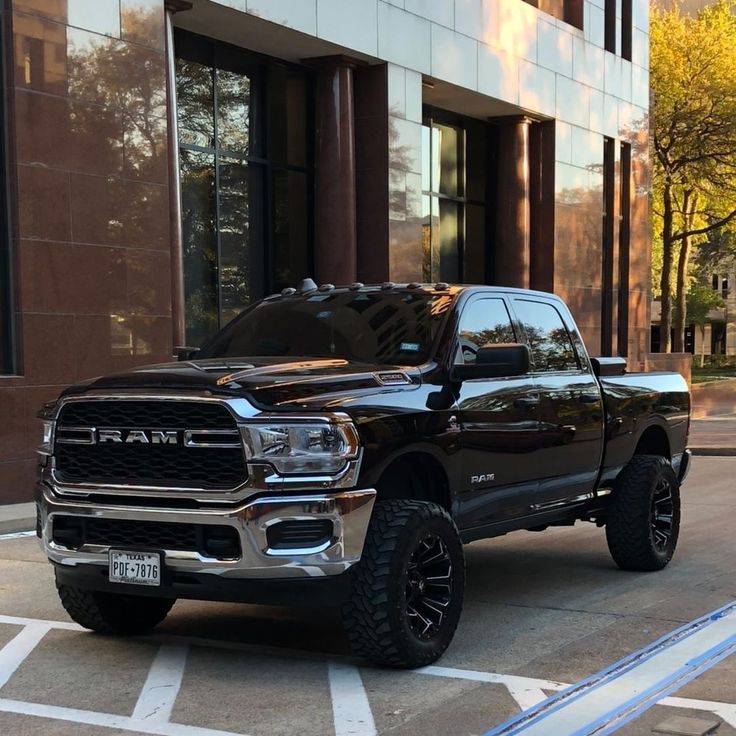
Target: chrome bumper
point(349, 511)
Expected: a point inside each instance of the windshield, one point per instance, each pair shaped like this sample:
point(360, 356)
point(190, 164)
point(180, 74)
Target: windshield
point(370, 327)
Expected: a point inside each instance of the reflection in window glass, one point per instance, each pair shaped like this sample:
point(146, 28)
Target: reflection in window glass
point(444, 202)
point(244, 191)
point(195, 104)
point(200, 244)
point(233, 111)
point(548, 337)
point(484, 322)
point(290, 228)
point(233, 224)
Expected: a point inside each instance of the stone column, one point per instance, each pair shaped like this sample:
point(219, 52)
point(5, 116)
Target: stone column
point(175, 233)
point(335, 247)
point(513, 227)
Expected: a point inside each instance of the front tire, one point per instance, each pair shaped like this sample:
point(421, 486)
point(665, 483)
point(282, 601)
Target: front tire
point(643, 522)
point(407, 589)
point(113, 613)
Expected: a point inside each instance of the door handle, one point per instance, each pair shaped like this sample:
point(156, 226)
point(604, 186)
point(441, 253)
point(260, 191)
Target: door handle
point(589, 398)
point(526, 402)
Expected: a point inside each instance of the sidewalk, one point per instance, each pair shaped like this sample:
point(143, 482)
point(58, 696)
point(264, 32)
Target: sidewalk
point(17, 517)
point(713, 436)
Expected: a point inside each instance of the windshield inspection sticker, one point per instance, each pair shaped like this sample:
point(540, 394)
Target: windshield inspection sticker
point(409, 347)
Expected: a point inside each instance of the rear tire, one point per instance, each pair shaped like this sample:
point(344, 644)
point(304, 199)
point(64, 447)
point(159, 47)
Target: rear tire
point(407, 589)
point(113, 613)
point(643, 522)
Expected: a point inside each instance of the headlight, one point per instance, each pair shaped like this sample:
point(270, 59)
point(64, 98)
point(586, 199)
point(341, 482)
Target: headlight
point(301, 447)
point(45, 415)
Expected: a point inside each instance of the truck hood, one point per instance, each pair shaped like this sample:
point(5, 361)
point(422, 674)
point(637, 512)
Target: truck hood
point(269, 383)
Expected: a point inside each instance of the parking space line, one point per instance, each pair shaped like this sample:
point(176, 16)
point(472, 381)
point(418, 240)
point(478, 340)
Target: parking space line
point(22, 621)
point(156, 701)
point(106, 720)
point(606, 701)
point(15, 652)
point(350, 707)
point(725, 711)
point(16, 535)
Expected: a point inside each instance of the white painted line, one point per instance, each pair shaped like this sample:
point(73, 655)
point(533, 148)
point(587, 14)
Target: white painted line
point(156, 701)
point(350, 707)
point(16, 535)
point(107, 720)
point(14, 653)
point(602, 704)
point(526, 697)
point(725, 711)
point(22, 621)
point(510, 680)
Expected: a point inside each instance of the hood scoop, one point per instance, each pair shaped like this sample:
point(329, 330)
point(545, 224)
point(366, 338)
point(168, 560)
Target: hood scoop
point(392, 378)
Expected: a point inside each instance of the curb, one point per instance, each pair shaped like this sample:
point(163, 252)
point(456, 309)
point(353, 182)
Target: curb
point(714, 451)
point(19, 517)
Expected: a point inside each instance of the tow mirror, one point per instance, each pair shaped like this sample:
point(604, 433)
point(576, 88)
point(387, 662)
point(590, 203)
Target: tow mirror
point(495, 361)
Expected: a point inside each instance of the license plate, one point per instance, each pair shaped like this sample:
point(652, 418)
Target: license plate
point(139, 568)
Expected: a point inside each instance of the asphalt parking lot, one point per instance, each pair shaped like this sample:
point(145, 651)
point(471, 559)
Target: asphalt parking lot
point(543, 611)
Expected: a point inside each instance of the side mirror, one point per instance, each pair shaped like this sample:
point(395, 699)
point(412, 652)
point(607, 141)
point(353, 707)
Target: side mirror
point(185, 353)
point(495, 361)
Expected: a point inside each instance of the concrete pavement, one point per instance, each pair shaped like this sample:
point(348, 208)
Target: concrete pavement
point(543, 610)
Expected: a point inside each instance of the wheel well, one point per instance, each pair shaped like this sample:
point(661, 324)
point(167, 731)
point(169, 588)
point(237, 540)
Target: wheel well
point(654, 441)
point(416, 476)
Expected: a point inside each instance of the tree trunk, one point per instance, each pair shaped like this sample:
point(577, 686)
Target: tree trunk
point(688, 207)
point(665, 322)
point(702, 346)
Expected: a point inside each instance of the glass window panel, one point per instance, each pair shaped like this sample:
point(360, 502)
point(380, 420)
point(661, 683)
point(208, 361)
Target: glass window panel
point(200, 244)
point(233, 111)
point(290, 228)
point(484, 322)
point(448, 167)
point(296, 120)
point(195, 103)
point(548, 337)
point(434, 152)
point(426, 158)
point(474, 250)
point(234, 228)
point(449, 230)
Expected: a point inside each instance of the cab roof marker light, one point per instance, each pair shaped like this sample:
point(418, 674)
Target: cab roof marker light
point(388, 285)
point(356, 286)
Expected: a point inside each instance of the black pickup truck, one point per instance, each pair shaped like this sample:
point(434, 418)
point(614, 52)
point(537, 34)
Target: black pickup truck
point(337, 446)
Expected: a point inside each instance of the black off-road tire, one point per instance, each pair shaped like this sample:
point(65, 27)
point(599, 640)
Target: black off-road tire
point(382, 617)
point(113, 613)
point(646, 493)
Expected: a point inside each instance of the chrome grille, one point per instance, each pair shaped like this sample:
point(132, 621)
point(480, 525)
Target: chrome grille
point(164, 465)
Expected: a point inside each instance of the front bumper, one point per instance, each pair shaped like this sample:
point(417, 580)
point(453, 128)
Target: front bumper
point(349, 512)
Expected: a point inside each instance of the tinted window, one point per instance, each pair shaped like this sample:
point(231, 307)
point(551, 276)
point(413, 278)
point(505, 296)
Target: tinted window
point(484, 322)
point(372, 327)
point(548, 337)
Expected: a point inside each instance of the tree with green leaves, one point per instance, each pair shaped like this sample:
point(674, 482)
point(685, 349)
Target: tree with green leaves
point(693, 131)
point(701, 300)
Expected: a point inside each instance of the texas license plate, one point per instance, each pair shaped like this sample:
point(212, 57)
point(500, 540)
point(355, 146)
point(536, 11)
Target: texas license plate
point(139, 568)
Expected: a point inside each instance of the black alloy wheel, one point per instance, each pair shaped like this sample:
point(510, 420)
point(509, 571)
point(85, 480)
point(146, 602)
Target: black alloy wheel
point(428, 587)
point(662, 515)
point(407, 590)
point(643, 519)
